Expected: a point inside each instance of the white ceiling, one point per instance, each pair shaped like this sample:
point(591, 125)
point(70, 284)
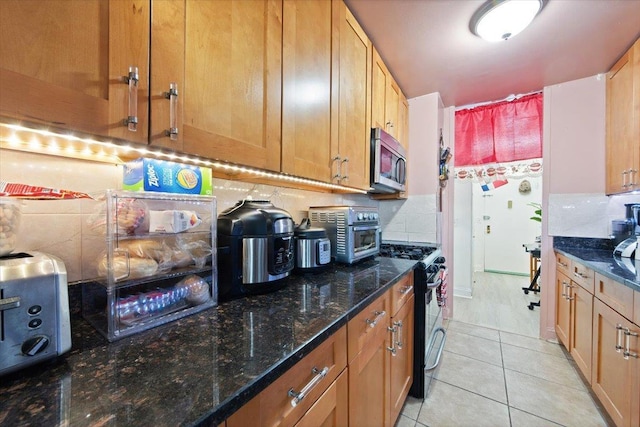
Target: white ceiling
point(428, 47)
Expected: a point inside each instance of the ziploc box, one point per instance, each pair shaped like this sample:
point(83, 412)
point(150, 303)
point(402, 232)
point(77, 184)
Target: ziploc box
point(167, 177)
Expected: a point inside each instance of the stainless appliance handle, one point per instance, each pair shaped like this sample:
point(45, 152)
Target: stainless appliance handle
point(401, 170)
point(430, 347)
point(365, 227)
point(298, 396)
point(432, 285)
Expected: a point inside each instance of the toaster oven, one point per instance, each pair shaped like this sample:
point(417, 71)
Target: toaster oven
point(34, 310)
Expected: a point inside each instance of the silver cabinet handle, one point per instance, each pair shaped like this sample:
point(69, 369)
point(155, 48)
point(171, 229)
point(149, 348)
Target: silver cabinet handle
point(344, 174)
point(406, 290)
point(564, 289)
point(627, 344)
point(379, 316)
point(399, 325)
point(619, 331)
point(172, 96)
point(337, 174)
point(632, 175)
point(132, 79)
point(392, 349)
point(580, 275)
point(298, 396)
point(624, 179)
point(9, 303)
point(561, 264)
point(389, 124)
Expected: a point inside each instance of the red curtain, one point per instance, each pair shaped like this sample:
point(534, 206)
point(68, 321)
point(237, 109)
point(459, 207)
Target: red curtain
point(502, 132)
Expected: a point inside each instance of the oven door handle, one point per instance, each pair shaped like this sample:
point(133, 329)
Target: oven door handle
point(432, 285)
point(365, 227)
point(430, 346)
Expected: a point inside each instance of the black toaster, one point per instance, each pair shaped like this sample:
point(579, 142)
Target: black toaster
point(34, 310)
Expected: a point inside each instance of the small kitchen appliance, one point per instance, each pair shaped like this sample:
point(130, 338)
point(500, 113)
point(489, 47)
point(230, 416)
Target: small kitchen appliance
point(627, 248)
point(255, 248)
point(312, 248)
point(34, 310)
point(352, 230)
point(388, 163)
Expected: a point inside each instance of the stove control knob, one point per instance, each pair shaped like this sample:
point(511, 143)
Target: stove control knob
point(34, 345)
point(440, 260)
point(360, 216)
point(432, 268)
point(374, 216)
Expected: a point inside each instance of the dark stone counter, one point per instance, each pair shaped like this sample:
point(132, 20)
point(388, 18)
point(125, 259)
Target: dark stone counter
point(196, 370)
point(597, 254)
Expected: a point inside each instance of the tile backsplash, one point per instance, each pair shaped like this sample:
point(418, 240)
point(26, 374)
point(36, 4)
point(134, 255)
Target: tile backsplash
point(586, 215)
point(54, 227)
point(411, 220)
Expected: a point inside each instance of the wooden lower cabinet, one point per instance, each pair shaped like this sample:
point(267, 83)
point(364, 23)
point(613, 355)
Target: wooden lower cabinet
point(581, 329)
point(614, 377)
point(331, 409)
point(402, 325)
point(273, 407)
point(563, 308)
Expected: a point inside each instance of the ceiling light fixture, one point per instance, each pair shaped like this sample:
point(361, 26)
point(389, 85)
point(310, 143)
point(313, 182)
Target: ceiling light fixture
point(502, 19)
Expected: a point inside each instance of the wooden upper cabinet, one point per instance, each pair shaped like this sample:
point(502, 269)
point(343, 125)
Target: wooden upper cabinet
point(62, 63)
point(623, 123)
point(309, 89)
point(232, 71)
point(386, 98)
point(403, 123)
point(167, 72)
point(354, 132)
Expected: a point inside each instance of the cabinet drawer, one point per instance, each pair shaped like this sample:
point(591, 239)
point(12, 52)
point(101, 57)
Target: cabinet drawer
point(401, 292)
point(583, 276)
point(273, 407)
point(615, 295)
point(367, 324)
point(563, 264)
point(332, 408)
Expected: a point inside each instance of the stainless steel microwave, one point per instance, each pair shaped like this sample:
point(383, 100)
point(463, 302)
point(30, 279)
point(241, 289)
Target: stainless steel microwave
point(388, 163)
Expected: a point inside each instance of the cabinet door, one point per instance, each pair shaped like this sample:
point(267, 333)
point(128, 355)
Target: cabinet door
point(167, 68)
point(369, 388)
point(309, 103)
point(62, 63)
point(582, 329)
point(379, 77)
point(612, 374)
point(403, 122)
point(402, 359)
point(392, 99)
point(354, 132)
point(623, 127)
point(563, 309)
point(332, 408)
point(232, 70)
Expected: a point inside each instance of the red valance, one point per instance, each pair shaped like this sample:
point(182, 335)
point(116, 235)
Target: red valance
point(502, 132)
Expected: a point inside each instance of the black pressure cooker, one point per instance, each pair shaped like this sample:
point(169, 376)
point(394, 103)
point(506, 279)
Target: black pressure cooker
point(255, 249)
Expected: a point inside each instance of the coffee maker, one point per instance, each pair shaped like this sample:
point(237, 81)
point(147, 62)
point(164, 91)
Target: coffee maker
point(626, 233)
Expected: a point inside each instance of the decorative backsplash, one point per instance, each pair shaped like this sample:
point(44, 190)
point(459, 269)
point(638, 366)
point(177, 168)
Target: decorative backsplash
point(54, 227)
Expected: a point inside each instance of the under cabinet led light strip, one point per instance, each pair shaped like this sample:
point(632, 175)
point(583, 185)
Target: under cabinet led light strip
point(42, 141)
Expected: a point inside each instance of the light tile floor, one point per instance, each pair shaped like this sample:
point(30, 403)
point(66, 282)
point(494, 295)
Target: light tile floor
point(493, 377)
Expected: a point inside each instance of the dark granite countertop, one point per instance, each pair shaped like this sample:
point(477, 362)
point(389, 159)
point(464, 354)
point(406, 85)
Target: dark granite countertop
point(196, 370)
point(597, 254)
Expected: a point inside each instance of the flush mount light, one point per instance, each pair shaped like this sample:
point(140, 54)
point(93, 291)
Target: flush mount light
point(502, 19)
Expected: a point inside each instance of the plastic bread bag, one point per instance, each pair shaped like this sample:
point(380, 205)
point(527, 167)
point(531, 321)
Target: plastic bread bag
point(128, 219)
point(200, 250)
point(125, 267)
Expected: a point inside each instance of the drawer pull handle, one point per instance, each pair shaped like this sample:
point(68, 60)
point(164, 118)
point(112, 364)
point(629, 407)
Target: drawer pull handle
point(627, 344)
point(619, 330)
point(562, 264)
point(399, 325)
point(406, 290)
point(374, 322)
point(298, 396)
point(580, 275)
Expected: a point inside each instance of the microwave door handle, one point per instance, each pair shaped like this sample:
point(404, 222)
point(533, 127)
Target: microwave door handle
point(401, 170)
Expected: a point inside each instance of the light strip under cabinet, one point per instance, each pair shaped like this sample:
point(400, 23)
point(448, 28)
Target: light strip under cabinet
point(43, 141)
